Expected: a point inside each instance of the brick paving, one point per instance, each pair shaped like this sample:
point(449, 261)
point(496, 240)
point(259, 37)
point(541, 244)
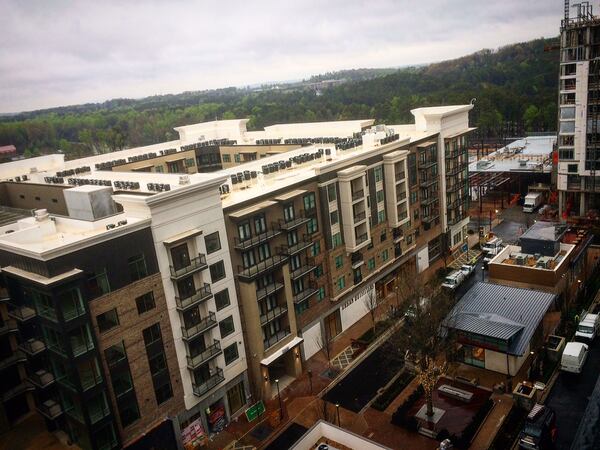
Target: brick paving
point(31, 434)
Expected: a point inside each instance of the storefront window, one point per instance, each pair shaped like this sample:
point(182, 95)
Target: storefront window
point(236, 397)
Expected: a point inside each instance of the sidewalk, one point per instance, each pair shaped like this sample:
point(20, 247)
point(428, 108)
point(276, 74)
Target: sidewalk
point(299, 403)
point(487, 432)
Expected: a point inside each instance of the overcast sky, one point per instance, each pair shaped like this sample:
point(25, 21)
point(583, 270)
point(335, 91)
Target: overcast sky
point(56, 52)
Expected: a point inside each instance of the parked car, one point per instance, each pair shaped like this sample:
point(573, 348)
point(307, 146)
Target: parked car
point(587, 329)
point(467, 269)
point(574, 356)
point(539, 431)
point(454, 280)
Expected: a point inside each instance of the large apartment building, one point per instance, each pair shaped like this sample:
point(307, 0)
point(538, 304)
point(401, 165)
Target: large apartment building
point(185, 295)
point(578, 182)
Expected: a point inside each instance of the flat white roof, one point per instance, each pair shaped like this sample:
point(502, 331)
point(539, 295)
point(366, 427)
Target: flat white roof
point(530, 154)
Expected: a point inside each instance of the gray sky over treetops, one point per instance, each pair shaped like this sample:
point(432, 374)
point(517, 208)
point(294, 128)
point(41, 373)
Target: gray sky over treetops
point(59, 52)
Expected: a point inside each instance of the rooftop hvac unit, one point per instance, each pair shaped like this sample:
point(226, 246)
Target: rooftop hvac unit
point(523, 162)
point(521, 259)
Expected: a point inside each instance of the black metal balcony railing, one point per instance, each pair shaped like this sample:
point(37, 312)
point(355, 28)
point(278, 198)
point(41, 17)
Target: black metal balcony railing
point(275, 338)
point(272, 314)
point(190, 332)
point(32, 346)
point(358, 194)
point(426, 182)
point(268, 290)
point(42, 378)
point(21, 313)
point(202, 294)
point(399, 176)
point(307, 293)
point(209, 353)
point(22, 387)
point(214, 380)
point(50, 409)
point(430, 218)
point(429, 200)
point(304, 269)
point(195, 264)
point(360, 216)
point(81, 346)
point(17, 357)
point(456, 169)
point(302, 244)
point(298, 219)
point(256, 240)
point(262, 267)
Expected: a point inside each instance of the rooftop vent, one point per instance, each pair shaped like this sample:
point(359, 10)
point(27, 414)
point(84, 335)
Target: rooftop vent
point(41, 215)
point(184, 179)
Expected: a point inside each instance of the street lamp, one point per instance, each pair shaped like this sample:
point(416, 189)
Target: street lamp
point(279, 397)
point(482, 273)
point(337, 407)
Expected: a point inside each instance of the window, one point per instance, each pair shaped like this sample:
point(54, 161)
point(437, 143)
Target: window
point(288, 212)
point(163, 392)
point(318, 270)
point(248, 259)
point(260, 224)
point(334, 217)
point(107, 320)
point(152, 334)
point(237, 158)
point(159, 169)
point(236, 397)
point(341, 282)
point(321, 293)
point(115, 354)
point(309, 201)
point(383, 236)
point(231, 353)
point(414, 197)
point(336, 240)
point(312, 226)
point(226, 158)
point(331, 192)
point(302, 307)
point(378, 171)
point(339, 261)
point(98, 283)
point(264, 252)
point(212, 242)
point(145, 302)
point(385, 255)
point(190, 162)
point(217, 271)
point(572, 168)
point(137, 267)
point(226, 326)
point(371, 264)
point(315, 249)
point(244, 231)
point(222, 299)
point(380, 196)
point(381, 216)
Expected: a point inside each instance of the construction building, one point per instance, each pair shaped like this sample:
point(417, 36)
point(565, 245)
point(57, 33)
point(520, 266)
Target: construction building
point(578, 184)
point(206, 285)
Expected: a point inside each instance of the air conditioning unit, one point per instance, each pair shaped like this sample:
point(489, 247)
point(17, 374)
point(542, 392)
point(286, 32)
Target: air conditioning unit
point(521, 259)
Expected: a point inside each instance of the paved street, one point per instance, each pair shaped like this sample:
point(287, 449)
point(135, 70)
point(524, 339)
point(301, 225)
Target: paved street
point(570, 396)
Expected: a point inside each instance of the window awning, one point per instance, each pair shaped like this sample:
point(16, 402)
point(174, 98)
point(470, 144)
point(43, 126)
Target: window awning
point(293, 343)
point(252, 209)
point(288, 195)
point(182, 237)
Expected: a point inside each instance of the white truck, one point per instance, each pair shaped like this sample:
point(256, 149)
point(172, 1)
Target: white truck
point(587, 329)
point(574, 356)
point(453, 280)
point(532, 201)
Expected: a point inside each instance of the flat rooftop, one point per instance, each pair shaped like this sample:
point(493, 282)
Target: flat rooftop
point(545, 231)
point(530, 154)
point(512, 255)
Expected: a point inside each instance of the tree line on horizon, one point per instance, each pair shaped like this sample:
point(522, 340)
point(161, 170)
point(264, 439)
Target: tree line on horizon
point(515, 88)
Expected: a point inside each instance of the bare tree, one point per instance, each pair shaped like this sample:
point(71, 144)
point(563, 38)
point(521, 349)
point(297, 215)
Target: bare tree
point(371, 302)
point(325, 344)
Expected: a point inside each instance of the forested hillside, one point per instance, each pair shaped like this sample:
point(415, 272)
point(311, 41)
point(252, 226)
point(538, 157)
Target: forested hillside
point(515, 86)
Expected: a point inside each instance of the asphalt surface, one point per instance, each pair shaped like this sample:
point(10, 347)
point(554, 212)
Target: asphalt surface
point(570, 395)
point(355, 390)
point(288, 437)
point(471, 280)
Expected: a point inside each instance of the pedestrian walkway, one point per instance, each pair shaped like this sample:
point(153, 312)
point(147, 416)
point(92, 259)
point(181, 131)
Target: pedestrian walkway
point(345, 358)
point(488, 430)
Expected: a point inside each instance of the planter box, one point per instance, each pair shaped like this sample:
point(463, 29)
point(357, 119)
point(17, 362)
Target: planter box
point(525, 396)
point(554, 347)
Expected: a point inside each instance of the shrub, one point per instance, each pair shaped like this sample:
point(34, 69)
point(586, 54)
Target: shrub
point(399, 416)
point(469, 432)
point(388, 396)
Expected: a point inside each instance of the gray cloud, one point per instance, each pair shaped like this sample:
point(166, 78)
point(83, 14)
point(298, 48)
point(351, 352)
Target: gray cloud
point(60, 52)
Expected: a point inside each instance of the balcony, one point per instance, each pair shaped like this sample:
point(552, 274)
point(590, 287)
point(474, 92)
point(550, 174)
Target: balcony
point(429, 200)
point(275, 338)
point(21, 313)
point(81, 346)
point(98, 413)
point(359, 217)
point(427, 182)
point(427, 165)
point(268, 290)
point(42, 378)
point(362, 238)
point(272, 314)
point(307, 293)
point(261, 268)
point(73, 312)
point(50, 409)
point(290, 250)
point(357, 259)
point(430, 218)
point(456, 169)
point(290, 224)
point(9, 326)
point(17, 357)
point(400, 176)
point(210, 321)
point(215, 379)
point(201, 294)
point(22, 387)
point(398, 235)
point(32, 346)
point(302, 270)
point(255, 240)
point(211, 352)
point(195, 265)
point(358, 194)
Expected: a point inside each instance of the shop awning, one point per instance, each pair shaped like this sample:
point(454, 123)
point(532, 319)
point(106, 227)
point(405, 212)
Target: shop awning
point(293, 343)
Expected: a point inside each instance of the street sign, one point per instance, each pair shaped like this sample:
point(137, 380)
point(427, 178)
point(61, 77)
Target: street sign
point(464, 248)
point(255, 411)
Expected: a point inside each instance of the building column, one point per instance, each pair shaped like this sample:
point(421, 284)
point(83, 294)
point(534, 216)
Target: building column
point(582, 203)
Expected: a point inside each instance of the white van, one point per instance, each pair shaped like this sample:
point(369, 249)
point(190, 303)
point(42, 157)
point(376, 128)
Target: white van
point(492, 247)
point(573, 357)
point(453, 280)
point(588, 327)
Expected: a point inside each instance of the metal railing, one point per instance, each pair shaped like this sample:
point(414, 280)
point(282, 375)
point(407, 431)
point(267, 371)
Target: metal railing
point(195, 264)
point(256, 240)
point(209, 353)
point(275, 338)
point(268, 289)
point(265, 266)
point(272, 314)
point(298, 219)
point(205, 324)
point(215, 379)
point(201, 294)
